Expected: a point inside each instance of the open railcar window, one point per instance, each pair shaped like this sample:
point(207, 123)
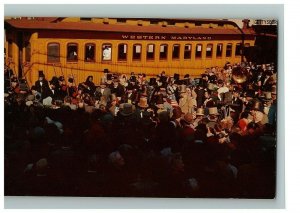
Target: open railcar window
point(209, 50)
point(228, 50)
point(219, 50)
point(122, 52)
point(106, 52)
point(72, 52)
point(89, 55)
point(163, 53)
point(137, 52)
point(198, 52)
point(187, 51)
point(150, 51)
point(176, 51)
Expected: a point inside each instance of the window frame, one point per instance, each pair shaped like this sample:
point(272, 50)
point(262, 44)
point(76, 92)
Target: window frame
point(133, 52)
point(201, 52)
point(227, 45)
point(211, 55)
point(166, 52)
point(190, 52)
point(94, 58)
point(240, 49)
point(219, 55)
point(77, 58)
point(176, 58)
point(53, 61)
point(147, 57)
point(126, 54)
point(111, 51)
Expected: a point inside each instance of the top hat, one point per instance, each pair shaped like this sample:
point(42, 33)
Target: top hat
point(176, 76)
point(71, 80)
point(105, 71)
point(186, 76)
point(143, 103)
point(182, 88)
point(41, 73)
point(250, 93)
point(213, 111)
point(152, 81)
point(14, 79)
point(109, 76)
point(132, 78)
point(200, 111)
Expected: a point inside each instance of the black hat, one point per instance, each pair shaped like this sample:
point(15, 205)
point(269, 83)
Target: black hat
point(109, 76)
point(186, 76)
point(61, 78)
point(132, 78)
point(106, 71)
point(14, 79)
point(152, 81)
point(144, 75)
point(54, 80)
point(176, 76)
point(250, 93)
point(41, 73)
point(71, 80)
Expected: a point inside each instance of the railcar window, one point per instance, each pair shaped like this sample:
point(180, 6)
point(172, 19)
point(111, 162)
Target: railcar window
point(198, 52)
point(150, 51)
point(10, 48)
point(219, 50)
point(176, 51)
point(163, 53)
point(53, 52)
point(72, 52)
point(209, 50)
point(228, 50)
point(238, 49)
point(187, 51)
point(106, 52)
point(89, 54)
point(122, 52)
point(137, 52)
point(27, 51)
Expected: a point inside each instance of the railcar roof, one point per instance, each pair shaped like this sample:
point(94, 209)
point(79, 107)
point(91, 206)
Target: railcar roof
point(57, 24)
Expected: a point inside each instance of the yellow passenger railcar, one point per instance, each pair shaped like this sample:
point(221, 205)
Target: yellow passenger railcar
point(80, 47)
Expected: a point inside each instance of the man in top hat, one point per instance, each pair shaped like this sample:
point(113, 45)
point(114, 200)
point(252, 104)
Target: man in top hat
point(53, 92)
point(130, 95)
point(213, 117)
point(42, 85)
point(236, 104)
point(117, 88)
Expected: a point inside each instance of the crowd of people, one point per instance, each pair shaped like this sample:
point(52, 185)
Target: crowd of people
point(208, 136)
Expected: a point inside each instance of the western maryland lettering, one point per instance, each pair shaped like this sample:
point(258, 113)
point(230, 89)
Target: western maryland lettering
point(164, 37)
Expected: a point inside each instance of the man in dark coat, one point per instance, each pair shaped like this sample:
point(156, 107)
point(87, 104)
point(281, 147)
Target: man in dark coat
point(42, 85)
